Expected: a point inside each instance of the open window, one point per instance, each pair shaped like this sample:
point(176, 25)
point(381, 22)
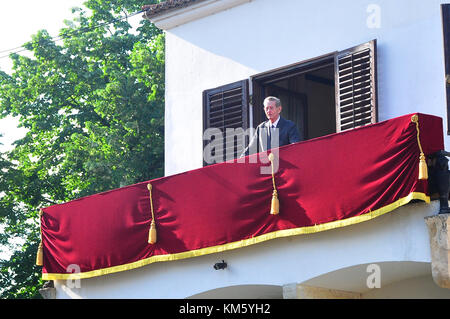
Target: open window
point(307, 94)
point(324, 95)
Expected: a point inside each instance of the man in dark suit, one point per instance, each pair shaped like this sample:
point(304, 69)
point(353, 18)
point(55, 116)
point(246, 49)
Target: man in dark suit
point(274, 132)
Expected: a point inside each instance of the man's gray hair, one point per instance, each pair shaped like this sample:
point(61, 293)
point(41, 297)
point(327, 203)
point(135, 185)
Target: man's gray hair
point(272, 98)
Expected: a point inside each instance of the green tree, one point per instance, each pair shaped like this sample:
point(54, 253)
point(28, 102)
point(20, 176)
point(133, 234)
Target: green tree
point(93, 105)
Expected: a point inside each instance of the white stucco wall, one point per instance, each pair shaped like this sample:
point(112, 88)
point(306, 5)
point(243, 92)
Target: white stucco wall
point(264, 34)
point(398, 236)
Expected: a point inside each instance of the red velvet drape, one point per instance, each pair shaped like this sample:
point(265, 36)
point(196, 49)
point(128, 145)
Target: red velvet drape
point(323, 183)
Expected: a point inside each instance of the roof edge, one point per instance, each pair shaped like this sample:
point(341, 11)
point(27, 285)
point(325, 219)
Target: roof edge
point(172, 13)
point(152, 10)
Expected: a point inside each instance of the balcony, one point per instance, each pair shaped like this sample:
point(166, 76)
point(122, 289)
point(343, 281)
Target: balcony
point(340, 207)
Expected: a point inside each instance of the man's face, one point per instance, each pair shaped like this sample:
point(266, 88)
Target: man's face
point(272, 112)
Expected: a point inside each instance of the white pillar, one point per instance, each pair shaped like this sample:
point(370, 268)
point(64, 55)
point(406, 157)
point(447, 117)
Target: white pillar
point(438, 230)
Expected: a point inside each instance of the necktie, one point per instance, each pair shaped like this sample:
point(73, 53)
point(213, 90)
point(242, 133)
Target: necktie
point(269, 136)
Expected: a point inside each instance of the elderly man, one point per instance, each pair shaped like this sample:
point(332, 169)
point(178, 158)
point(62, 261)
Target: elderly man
point(274, 132)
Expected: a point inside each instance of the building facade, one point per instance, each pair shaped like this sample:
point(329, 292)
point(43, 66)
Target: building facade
point(229, 55)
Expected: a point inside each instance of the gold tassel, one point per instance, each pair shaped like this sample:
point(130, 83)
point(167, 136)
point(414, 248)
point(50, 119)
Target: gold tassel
point(40, 256)
point(152, 232)
point(40, 252)
point(275, 205)
point(423, 169)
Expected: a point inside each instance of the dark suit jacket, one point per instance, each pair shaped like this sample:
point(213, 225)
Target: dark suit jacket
point(287, 132)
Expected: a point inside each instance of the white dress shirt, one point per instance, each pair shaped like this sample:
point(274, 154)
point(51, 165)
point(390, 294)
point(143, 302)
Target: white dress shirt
point(274, 124)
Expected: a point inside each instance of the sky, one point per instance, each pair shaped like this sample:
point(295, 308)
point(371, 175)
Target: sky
point(18, 21)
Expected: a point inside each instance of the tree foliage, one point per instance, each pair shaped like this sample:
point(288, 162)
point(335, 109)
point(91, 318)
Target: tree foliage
point(93, 107)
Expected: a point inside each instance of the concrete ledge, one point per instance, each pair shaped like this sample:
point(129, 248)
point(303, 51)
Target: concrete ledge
point(48, 293)
point(438, 227)
point(295, 291)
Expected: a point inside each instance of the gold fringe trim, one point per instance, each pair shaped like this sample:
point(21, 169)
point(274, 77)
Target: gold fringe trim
point(244, 242)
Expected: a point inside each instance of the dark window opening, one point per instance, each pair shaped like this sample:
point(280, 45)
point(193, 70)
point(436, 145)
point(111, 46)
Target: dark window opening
point(307, 96)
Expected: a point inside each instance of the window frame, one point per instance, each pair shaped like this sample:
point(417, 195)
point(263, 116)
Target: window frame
point(255, 84)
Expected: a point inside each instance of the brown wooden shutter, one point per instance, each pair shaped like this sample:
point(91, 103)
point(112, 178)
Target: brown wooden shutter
point(356, 82)
point(227, 107)
point(445, 8)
